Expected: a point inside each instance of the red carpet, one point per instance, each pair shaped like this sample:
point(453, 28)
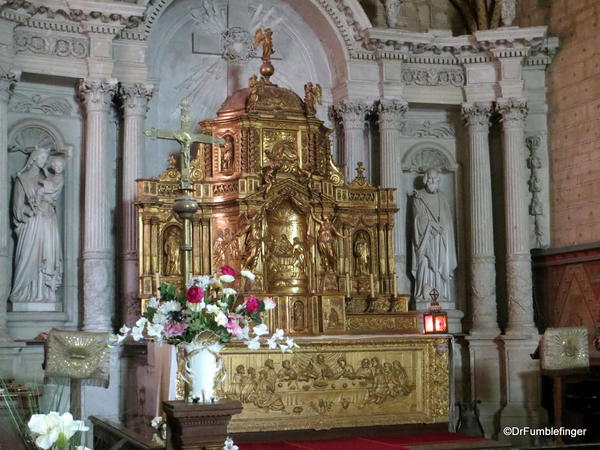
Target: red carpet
point(394, 442)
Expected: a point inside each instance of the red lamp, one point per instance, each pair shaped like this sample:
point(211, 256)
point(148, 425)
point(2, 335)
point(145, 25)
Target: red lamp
point(435, 320)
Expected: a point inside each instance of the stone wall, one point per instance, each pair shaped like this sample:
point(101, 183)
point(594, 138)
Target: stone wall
point(574, 119)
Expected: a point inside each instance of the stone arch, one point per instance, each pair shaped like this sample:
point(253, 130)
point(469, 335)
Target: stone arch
point(30, 132)
point(429, 154)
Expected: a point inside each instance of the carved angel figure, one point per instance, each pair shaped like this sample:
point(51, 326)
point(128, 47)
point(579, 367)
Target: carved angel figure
point(312, 95)
point(266, 38)
point(326, 242)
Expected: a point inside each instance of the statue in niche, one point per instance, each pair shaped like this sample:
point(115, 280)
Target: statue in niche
point(227, 155)
point(362, 254)
point(327, 242)
point(298, 315)
point(433, 245)
point(38, 255)
point(172, 251)
point(252, 229)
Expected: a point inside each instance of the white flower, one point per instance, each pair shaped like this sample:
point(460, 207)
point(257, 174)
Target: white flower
point(222, 304)
point(50, 426)
point(283, 348)
point(253, 344)
point(221, 319)
point(261, 329)
point(229, 445)
point(272, 343)
point(212, 309)
point(279, 334)
point(196, 307)
point(157, 422)
point(202, 281)
point(169, 306)
point(124, 330)
point(247, 274)
point(137, 333)
point(290, 343)
point(229, 291)
point(141, 322)
point(155, 330)
point(159, 318)
point(227, 278)
point(269, 303)
point(82, 447)
point(245, 334)
point(120, 338)
point(153, 303)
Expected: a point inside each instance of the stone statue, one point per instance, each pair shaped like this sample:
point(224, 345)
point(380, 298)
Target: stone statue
point(38, 257)
point(392, 12)
point(433, 245)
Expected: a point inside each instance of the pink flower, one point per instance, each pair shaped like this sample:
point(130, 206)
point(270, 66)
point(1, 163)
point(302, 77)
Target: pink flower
point(233, 325)
point(195, 294)
point(228, 270)
point(173, 328)
point(252, 304)
point(269, 303)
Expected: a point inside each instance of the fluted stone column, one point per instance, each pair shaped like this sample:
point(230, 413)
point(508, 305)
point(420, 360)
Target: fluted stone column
point(98, 267)
point(481, 222)
point(352, 115)
point(518, 270)
point(8, 80)
point(391, 113)
point(134, 101)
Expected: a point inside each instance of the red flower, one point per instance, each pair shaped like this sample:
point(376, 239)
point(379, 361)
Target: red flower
point(195, 294)
point(227, 270)
point(252, 304)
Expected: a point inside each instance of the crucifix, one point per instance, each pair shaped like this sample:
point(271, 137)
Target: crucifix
point(185, 205)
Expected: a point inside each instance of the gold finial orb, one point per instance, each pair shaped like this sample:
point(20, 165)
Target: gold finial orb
point(267, 69)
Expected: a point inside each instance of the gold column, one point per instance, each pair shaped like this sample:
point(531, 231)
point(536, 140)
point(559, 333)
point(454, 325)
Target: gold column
point(145, 246)
point(154, 250)
point(196, 249)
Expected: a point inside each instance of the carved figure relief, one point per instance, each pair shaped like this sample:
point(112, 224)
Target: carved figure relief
point(433, 245)
point(251, 230)
point(227, 155)
point(225, 247)
point(172, 251)
point(298, 316)
point(312, 95)
point(38, 259)
point(327, 242)
point(362, 253)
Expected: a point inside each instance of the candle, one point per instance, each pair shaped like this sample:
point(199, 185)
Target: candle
point(395, 287)
point(347, 284)
point(372, 286)
point(157, 283)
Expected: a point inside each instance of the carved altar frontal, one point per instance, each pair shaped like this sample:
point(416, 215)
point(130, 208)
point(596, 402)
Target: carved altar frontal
point(339, 382)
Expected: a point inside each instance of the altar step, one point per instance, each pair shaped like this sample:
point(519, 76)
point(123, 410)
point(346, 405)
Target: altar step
point(436, 440)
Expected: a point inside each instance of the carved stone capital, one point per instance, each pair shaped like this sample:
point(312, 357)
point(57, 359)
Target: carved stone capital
point(135, 98)
point(8, 79)
point(477, 115)
point(97, 95)
point(391, 113)
point(352, 113)
point(513, 111)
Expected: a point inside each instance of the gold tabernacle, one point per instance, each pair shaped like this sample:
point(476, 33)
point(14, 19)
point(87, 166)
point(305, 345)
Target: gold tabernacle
point(271, 200)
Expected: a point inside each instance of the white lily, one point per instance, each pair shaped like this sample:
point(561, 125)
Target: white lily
point(159, 318)
point(272, 343)
point(196, 307)
point(124, 330)
point(153, 303)
point(212, 309)
point(221, 319)
point(261, 329)
point(245, 334)
point(141, 322)
point(229, 291)
point(47, 427)
point(157, 422)
point(155, 330)
point(227, 279)
point(253, 344)
point(137, 333)
point(229, 445)
point(247, 274)
point(269, 303)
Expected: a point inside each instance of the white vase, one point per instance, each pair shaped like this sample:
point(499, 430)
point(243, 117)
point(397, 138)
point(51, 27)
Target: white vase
point(200, 367)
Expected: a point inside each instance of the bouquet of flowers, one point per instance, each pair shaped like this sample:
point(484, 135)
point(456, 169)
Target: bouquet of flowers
point(210, 307)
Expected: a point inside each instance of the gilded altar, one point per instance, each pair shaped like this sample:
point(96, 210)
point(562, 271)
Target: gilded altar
point(272, 201)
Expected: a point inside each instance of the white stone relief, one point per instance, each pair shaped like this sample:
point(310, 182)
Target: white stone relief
point(427, 128)
point(73, 47)
point(508, 12)
point(38, 264)
point(433, 77)
point(392, 12)
point(433, 242)
point(536, 208)
point(55, 106)
point(429, 158)
point(29, 137)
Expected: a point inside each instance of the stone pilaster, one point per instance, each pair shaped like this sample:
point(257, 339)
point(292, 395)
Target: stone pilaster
point(481, 222)
point(8, 79)
point(518, 270)
point(352, 115)
point(134, 102)
point(98, 267)
point(391, 113)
